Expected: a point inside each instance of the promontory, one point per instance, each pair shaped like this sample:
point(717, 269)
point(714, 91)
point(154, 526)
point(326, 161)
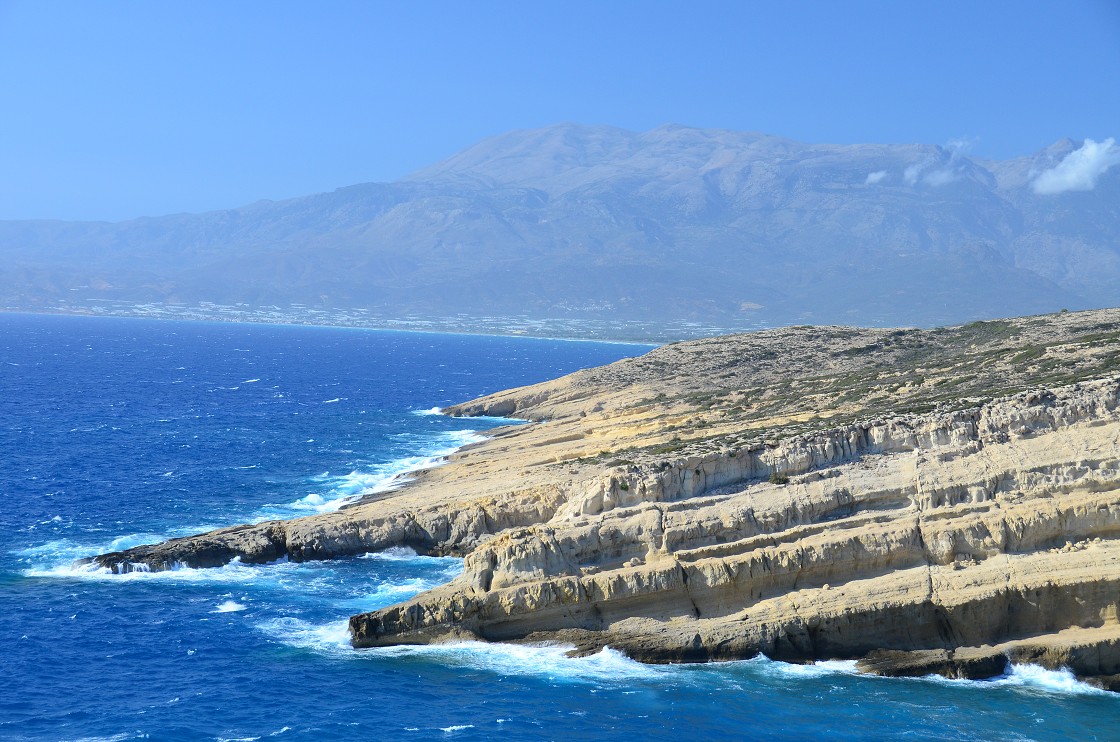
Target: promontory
point(925, 501)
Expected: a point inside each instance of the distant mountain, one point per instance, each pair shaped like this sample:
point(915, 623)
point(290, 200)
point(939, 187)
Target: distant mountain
point(675, 224)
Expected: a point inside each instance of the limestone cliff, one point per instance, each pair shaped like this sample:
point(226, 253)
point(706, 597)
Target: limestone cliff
point(925, 500)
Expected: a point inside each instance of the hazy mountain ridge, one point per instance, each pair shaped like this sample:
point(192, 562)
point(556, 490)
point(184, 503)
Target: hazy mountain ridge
point(587, 221)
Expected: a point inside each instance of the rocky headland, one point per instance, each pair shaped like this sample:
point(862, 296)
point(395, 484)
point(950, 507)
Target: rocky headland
point(922, 500)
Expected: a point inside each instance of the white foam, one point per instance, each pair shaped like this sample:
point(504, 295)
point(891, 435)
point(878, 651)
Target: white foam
point(63, 552)
point(343, 489)
point(229, 606)
point(1035, 678)
point(461, 438)
point(1031, 678)
point(56, 558)
point(233, 573)
point(817, 669)
point(394, 592)
point(250, 381)
point(1026, 677)
point(394, 554)
point(551, 661)
point(496, 421)
point(448, 565)
point(456, 728)
point(331, 638)
point(432, 411)
point(92, 571)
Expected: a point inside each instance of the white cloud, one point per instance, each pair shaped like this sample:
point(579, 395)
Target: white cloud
point(911, 173)
point(940, 177)
point(875, 177)
point(1079, 170)
point(944, 169)
point(937, 177)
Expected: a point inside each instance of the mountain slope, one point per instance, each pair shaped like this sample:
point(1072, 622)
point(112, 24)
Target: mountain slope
point(675, 224)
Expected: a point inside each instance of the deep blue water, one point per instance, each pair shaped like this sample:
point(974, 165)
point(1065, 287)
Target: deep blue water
point(114, 432)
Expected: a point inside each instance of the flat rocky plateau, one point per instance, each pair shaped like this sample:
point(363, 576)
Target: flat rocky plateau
point(925, 501)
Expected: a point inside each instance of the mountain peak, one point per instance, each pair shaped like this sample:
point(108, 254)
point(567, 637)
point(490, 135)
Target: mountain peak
point(673, 224)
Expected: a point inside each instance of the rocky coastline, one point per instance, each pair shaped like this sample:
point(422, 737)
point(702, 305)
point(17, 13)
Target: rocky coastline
point(925, 501)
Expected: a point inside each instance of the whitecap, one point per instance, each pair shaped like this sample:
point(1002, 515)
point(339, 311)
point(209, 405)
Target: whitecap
point(250, 381)
point(816, 669)
point(331, 638)
point(462, 438)
point(234, 572)
point(432, 411)
point(1036, 678)
point(550, 661)
point(1026, 678)
point(229, 606)
point(347, 488)
point(456, 728)
point(392, 554)
point(332, 401)
point(62, 553)
point(395, 592)
point(407, 554)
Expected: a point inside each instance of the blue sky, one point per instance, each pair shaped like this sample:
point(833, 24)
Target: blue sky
point(113, 110)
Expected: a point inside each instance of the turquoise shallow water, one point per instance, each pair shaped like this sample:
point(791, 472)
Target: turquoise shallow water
point(116, 432)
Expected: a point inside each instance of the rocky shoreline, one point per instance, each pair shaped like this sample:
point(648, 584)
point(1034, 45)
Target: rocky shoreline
point(924, 501)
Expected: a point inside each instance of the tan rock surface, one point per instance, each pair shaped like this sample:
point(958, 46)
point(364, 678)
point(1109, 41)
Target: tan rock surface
point(806, 492)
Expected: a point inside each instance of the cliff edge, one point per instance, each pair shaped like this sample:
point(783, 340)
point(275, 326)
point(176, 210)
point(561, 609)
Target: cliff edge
point(923, 500)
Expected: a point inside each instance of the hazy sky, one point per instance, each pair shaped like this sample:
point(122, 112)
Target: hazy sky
point(119, 109)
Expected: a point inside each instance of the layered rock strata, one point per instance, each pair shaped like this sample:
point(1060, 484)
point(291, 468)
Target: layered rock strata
point(925, 500)
point(936, 531)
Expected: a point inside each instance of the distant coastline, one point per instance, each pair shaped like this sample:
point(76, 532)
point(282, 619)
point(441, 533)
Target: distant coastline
point(572, 329)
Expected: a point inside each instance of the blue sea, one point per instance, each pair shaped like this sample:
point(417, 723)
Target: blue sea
point(116, 432)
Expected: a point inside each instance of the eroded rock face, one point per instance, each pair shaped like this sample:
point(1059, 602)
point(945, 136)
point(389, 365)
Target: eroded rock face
point(805, 516)
point(935, 531)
